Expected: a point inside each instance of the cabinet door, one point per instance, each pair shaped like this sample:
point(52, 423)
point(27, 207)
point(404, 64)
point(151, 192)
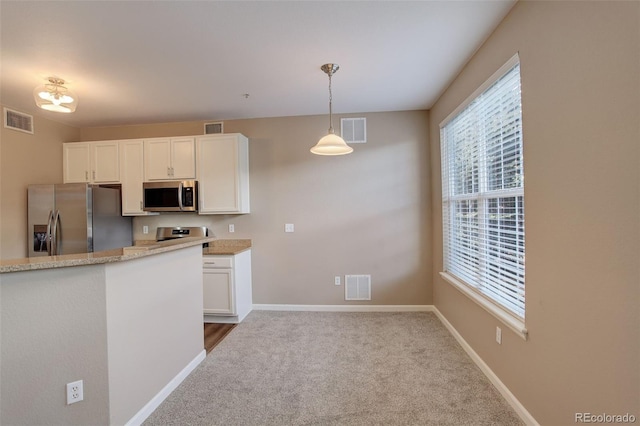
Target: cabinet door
point(218, 294)
point(183, 158)
point(105, 162)
point(76, 162)
point(157, 159)
point(132, 174)
point(223, 174)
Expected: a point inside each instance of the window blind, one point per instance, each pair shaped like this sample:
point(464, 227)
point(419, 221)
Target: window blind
point(483, 192)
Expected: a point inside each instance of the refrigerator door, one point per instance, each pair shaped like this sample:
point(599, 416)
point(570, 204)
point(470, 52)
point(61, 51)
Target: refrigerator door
point(40, 199)
point(110, 229)
point(73, 227)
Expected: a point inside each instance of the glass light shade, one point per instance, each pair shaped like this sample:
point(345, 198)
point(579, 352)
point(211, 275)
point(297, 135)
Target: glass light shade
point(55, 97)
point(331, 144)
point(55, 108)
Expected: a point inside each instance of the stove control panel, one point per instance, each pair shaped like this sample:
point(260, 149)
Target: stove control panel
point(169, 233)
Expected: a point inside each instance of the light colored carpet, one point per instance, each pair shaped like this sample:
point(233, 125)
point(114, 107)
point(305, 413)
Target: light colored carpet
point(335, 368)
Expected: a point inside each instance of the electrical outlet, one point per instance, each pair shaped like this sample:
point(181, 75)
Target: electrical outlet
point(232, 228)
point(75, 392)
point(288, 227)
point(337, 280)
point(145, 229)
point(498, 335)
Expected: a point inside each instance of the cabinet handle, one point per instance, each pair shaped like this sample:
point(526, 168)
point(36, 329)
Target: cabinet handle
point(168, 171)
point(140, 205)
point(94, 175)
point(86, 175)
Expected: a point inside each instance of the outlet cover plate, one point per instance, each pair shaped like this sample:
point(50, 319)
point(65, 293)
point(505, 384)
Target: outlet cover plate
point(75, 392)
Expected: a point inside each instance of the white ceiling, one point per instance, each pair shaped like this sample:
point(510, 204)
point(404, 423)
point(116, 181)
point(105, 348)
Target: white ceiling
point(137, 62)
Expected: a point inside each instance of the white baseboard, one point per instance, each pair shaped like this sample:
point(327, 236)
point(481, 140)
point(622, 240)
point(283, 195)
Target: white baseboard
point(155, 402)
point(522, 412)
point(345, 308)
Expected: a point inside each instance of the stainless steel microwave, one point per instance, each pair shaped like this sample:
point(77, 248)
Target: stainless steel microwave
point(170, 196)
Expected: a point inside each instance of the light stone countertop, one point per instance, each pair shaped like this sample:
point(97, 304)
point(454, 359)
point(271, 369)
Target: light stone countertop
point(101, 257)
point(227, 247)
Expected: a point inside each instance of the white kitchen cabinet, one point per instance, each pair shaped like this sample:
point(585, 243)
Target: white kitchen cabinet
point(223, 174)
point(91, 162)
point(227, 287)
point(169, 158)
point(132, 176)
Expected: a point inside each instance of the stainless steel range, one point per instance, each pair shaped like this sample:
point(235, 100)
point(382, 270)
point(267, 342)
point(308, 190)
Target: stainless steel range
point(174, 232)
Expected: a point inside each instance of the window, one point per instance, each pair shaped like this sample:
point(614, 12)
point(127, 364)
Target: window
point(483, 194)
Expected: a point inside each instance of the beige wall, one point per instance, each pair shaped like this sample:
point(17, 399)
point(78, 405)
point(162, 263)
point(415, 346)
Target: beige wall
point(54, 331)
point(364, 213)
point(27, 159)
point(581, 108)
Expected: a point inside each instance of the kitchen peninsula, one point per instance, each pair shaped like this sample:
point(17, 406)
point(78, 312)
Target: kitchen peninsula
point(127, 322)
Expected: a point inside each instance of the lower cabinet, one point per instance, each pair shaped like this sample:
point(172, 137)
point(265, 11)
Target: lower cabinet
point(227, 287)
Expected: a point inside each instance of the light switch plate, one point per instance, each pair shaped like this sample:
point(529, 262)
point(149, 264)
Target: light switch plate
point(288, 227)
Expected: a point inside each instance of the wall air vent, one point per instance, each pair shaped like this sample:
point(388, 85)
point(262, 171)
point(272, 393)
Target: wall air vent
point(354, 130)
point(357, 287)
point(18, 121)
point(213, 128)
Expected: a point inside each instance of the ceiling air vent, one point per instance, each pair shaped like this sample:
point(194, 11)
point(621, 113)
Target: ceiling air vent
point(18, 121)
point(354, 130)
point(213, 128)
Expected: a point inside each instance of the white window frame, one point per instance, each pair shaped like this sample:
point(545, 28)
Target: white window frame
point(511, 314)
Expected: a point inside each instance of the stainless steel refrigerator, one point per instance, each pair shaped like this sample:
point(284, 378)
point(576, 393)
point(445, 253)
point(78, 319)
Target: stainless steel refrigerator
point(76, 218)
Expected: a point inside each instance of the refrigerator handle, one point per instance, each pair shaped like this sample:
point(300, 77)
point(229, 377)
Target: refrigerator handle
point(54, 234)
point(180, 190)
point(48, 240)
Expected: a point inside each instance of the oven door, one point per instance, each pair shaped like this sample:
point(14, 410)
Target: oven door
point(173, 196)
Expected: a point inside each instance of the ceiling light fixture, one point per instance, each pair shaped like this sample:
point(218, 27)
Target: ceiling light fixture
point(331, 144)
point(54, 96)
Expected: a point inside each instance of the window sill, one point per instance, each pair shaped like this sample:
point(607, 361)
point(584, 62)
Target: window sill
point(500, 314)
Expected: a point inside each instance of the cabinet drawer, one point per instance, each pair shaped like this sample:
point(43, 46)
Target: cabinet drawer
point(217, 262)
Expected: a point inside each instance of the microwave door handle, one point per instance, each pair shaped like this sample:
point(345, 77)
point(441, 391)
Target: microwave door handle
point(180, 189)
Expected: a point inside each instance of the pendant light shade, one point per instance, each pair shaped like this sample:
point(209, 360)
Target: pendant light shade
point(54, 96)
point(331, 144)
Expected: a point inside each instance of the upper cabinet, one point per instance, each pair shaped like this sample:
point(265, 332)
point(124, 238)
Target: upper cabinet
point(223, 174)
point(169, 158)
point(132, 176)
point(92, 162)
point(221, 162)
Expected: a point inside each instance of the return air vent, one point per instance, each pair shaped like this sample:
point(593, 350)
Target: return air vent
point(354, 130)
point(213, 128)
point(18, 121)
point(357, 287)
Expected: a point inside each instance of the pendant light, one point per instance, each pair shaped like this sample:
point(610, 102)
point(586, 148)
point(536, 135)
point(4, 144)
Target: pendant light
point(54, 96)
point(331, 144)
